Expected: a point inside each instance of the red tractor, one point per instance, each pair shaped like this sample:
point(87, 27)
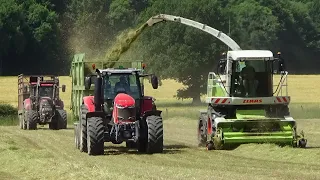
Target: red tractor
point(39, 102)
point(119, 112)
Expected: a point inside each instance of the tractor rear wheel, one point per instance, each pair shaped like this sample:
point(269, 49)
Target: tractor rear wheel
point(83, 129)
point(32, 120)
point(202, 132)
point(155, 134)
point(95, 136)
point(62, 119)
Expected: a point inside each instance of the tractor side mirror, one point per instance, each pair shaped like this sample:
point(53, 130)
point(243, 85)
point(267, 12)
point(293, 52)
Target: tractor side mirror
point(154, 82)
point(63, 88)
point(87, 83)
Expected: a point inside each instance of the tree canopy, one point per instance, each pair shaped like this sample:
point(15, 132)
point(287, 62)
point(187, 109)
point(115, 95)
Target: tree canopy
point(41, 36)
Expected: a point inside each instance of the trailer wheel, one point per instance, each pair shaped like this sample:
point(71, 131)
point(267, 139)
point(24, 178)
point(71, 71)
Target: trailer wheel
point(155, 134)
point(32, 120)
point(95, 136)
point(62, 119)
point(83, 129)
point(202, 132)
point(76, 135)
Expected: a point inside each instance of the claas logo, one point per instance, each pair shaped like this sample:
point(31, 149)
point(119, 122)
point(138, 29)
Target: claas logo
point(247, 101)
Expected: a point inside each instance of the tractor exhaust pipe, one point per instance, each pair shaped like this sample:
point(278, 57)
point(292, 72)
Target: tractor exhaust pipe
point(98, 92)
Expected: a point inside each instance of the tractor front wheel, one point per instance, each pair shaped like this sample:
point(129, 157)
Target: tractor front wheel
point(62, 119)
point(155, 134)
point(95, 136)
point(32, 117)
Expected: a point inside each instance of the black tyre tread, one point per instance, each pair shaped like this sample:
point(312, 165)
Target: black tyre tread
point(95, 136)
point(62, 118)
point(202, 137)
point(155, 134)
point(83, 129)
point(32, 120)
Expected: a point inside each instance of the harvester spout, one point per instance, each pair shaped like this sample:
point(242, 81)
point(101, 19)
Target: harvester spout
point(216, 33)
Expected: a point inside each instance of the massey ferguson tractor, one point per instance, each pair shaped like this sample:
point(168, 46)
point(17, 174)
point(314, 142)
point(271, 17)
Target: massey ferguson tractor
point(243, 106)
point(118, 112)
point(39, 102)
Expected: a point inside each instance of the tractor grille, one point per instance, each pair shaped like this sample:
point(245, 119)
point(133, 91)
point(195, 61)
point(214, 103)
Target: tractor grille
point(127, 114)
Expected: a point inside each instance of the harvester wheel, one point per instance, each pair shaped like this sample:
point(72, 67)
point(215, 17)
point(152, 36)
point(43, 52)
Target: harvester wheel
point(302, 143)
point(83, 129)
point(155, 134)
point(210, 146)
point(95, 136)
point(32, 120)
point(62, 119)
point(202, 132)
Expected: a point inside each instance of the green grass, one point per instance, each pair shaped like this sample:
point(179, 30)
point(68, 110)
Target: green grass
point(48, 154)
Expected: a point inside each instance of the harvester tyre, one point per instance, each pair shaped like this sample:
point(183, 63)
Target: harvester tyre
point(32, 117)
point(155, 134)
point(95, 136)
point(83, 129)
point(202, 132)
point(62, 119)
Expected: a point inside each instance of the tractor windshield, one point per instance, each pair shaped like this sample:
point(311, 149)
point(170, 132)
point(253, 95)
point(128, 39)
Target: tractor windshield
point(121, 83)
point(46, 91)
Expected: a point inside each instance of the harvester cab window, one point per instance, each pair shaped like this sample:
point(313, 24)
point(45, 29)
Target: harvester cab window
point(251, 78)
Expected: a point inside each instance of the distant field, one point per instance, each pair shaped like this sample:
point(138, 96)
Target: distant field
point(46, 154)
point(303, 89)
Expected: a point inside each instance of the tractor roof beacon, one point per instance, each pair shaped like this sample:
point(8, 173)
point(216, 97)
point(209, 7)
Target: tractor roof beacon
point(243, 107)
point(118, 111)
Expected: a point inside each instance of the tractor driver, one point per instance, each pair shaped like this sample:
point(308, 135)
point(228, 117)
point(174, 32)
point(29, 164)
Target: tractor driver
point(248, 79)
point(122, 85)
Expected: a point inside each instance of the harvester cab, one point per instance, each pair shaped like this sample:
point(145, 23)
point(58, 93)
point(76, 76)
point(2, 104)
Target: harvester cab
point(119, 112)
point(243, 106)
point(39, 102)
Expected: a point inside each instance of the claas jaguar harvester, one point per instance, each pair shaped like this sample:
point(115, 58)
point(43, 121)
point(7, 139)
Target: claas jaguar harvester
point(243, 107)
point(118, 111)
point(240, 113)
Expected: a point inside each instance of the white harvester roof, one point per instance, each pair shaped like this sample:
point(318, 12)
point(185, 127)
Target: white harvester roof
point(250, 55)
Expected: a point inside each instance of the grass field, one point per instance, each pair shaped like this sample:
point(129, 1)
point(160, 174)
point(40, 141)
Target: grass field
point(46, 154)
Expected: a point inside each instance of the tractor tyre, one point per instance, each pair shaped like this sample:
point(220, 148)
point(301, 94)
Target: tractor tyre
point(83, 129)
point(95, 136)
point(62, 119)
point(32, 118)
point(155, 134)
point(202, 132)
point(54, 124)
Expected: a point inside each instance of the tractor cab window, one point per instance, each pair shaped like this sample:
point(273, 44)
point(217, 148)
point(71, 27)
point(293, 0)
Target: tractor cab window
point(120, 83)
point(46, 91)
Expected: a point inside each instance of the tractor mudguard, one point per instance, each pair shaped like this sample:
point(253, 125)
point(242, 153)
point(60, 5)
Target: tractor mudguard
point(27, 104)
point(147, 104)
point(95, 114)
point(151, 112)
point(88, 101)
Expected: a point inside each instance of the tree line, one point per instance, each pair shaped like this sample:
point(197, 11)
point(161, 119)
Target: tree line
point(41, 36)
